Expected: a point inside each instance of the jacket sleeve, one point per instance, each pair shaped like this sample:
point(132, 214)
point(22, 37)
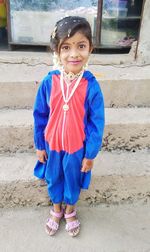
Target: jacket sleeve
point(95, 121)
point(41, 113)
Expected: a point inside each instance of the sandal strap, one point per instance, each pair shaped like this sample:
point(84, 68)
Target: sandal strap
point(57, 215)
point(52, 224)
point(67, 216)
point(72, 225)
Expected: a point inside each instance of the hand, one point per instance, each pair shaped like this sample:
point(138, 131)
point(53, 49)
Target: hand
point(41, 155)
point(87, 165)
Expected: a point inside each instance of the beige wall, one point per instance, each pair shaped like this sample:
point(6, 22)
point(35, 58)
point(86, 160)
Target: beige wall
point(143, 53)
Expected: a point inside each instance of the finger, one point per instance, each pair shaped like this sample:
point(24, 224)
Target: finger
point(84, 169)
point(45, 156)
point(41, 159)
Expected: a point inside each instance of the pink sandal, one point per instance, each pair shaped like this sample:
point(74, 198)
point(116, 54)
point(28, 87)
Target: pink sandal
point(72, 227)
point(51, 225)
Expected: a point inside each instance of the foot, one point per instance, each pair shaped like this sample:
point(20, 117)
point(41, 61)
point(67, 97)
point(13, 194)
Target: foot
point(72, 224)
point(52, 224)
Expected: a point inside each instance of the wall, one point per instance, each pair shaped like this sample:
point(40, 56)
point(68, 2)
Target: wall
point(143, 52)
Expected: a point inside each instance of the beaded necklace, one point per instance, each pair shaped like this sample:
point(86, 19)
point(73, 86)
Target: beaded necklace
point(67, 97)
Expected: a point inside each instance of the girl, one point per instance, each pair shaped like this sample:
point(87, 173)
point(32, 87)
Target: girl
point(68, 122)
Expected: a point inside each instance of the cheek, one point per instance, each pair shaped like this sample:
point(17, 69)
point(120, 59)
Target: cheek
point(63, 57)
point(85, 55)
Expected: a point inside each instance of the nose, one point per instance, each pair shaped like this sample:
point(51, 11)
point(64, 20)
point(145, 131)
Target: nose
point(74, 53)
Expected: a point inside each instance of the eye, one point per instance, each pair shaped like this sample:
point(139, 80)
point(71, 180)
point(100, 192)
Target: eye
point(82, 46)
point(65, 48)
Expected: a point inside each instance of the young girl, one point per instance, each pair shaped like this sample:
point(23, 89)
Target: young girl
point(68, 122)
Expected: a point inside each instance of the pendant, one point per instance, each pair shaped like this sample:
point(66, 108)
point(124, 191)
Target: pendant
point(65, 107)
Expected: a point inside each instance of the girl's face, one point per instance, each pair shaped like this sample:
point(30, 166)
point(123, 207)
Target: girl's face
point(74, 53)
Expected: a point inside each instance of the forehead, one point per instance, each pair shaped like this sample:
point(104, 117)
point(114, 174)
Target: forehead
point(76, 38)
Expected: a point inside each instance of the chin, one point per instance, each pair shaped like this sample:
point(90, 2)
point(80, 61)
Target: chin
point(75, 69)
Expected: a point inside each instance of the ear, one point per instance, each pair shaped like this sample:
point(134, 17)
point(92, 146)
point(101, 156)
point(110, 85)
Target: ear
point(57, 55)
point(56, 60)
point(91, 49)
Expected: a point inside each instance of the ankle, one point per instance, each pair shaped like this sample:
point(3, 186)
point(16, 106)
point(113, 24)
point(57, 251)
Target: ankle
point(69, 209)
point(57, 208)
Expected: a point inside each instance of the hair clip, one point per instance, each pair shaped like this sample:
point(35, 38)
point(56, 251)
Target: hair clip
point(54, 32)
point(69, 31)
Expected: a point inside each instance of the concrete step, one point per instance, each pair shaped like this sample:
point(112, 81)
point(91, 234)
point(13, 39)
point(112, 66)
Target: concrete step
point(126, 129)
point(117, 177)
point(28, 57)
point(126, 225)
point(123, 86)
point(16, 130)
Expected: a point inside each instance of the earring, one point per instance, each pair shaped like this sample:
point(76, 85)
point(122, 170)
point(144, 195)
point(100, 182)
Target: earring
point(85, 67)
point(56, 61)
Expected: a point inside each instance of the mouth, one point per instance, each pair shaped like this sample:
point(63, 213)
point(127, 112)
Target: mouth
point(75, 62)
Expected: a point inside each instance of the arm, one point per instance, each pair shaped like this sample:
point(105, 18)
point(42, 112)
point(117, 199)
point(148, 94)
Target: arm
point(41, 115)
point(95, 126)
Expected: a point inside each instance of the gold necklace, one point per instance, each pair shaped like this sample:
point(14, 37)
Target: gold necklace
point(71, 76)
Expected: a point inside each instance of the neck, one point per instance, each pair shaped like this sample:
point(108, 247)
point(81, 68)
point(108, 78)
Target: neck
point(69, 76)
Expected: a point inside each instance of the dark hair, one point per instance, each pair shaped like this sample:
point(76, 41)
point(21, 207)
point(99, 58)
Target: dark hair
point(66, 28)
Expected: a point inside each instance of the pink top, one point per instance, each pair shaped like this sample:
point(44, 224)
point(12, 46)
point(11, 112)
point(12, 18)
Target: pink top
point(65, 130)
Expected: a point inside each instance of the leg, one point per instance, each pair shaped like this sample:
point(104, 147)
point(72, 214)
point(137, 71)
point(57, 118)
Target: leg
point(72, 186)
point(72, 223)
point(69, 209)
point(55, 182)
point(72, 176)
point(55, 177)
point(52, 224)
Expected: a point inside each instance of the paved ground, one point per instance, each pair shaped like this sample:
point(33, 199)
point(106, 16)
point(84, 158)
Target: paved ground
point(124, 228)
